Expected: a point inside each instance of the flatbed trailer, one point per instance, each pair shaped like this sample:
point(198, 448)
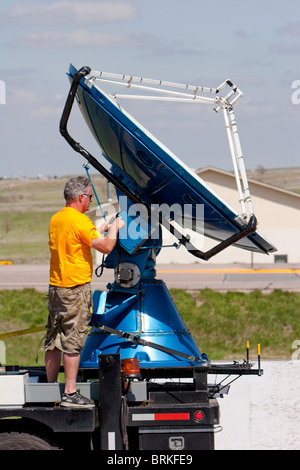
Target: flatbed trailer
point(167, 404)
point(163, 409)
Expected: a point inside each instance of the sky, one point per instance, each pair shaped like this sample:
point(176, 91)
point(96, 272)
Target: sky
point(255, 44)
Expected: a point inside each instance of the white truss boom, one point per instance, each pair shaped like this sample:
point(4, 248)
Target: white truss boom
point(183, 93)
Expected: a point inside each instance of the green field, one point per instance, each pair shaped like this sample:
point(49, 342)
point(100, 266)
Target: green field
point(220, 323)
point(26, 206)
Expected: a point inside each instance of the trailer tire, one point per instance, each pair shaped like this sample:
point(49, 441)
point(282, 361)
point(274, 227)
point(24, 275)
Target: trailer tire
point(25, 441)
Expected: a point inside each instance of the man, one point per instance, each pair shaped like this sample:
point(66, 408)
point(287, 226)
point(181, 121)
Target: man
point(71, 236)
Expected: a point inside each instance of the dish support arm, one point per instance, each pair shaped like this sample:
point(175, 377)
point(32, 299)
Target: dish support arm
point(245, 230)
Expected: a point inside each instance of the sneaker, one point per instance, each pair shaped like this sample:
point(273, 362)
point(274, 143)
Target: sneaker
point(76, 401)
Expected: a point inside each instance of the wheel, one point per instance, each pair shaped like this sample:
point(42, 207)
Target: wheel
point(25, 441)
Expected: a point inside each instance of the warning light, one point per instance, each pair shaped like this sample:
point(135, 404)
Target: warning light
point(131, 368)
point(198, 415)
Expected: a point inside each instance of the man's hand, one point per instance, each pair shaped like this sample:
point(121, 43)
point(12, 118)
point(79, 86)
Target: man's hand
point(106, 244)
point(107, 223)
point(120, 222)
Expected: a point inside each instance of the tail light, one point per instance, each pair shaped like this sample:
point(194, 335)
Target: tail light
point(199, 415)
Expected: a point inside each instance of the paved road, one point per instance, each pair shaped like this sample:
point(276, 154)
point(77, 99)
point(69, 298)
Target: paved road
point(217, 277)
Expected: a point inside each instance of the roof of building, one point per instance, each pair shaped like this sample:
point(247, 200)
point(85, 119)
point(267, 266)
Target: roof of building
point(201, 171)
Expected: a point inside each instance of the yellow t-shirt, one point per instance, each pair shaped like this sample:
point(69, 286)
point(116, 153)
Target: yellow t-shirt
point(70, 235)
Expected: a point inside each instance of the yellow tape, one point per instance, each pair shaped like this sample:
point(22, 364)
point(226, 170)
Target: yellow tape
point(36, 329)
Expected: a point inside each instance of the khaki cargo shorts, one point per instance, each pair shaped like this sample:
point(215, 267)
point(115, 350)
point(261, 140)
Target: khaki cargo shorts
point(69, 317)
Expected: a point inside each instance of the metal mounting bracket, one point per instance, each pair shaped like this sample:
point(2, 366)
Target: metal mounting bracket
point(246, 229)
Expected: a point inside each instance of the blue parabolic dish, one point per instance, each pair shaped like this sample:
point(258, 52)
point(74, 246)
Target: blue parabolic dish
point(152, 170)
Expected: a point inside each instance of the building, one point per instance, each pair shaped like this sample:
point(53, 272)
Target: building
point(278, 215)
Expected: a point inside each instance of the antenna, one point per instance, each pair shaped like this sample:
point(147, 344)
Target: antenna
point(136, 316)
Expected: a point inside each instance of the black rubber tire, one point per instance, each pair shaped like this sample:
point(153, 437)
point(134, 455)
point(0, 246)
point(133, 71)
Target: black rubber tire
point(25, 441)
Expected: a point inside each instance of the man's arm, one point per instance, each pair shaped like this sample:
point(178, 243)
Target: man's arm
point(105, 226)
point(106, 244)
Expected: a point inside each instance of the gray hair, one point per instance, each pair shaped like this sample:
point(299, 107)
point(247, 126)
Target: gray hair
point(76, 186)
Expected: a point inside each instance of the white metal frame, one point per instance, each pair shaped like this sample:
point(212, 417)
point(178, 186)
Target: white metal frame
point(191, 94)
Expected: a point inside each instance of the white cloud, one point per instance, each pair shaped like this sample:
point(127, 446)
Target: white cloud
point(47, 111)
point(34, 104)
point(70, 12)
point(81, 38)
point(21, 97)
point(281, 48)
point(242, 34)
point(291, 28)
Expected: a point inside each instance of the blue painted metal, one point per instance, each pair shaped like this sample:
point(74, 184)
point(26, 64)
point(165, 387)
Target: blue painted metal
point(153, 173)
point(144, 308)
point(148, 313)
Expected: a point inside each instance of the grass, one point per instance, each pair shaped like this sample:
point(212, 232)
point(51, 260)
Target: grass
point(21, 310)
point(220, 323)
point(285, 178)
point(26, 206)
point(24, 236)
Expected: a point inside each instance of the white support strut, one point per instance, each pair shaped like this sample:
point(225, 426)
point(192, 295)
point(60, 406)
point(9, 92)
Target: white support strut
point(169, 91)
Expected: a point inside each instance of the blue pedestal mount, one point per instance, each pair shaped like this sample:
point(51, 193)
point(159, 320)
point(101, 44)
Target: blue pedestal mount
point(139, 316)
